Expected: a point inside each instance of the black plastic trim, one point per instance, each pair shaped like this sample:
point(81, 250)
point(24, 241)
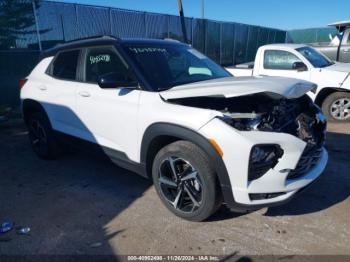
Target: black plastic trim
point(117, 157)
point(244, 208)
point(167, 129)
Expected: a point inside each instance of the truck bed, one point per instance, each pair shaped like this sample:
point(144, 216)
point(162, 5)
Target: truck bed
point(245, 69)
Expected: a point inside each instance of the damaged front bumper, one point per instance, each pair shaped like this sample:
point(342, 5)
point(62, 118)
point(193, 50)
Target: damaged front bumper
point(275, 186)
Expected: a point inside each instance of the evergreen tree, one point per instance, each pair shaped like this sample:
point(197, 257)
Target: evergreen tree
point(16, 21)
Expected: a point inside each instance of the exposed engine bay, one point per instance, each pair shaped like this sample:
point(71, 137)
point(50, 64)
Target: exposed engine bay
point(265, 112)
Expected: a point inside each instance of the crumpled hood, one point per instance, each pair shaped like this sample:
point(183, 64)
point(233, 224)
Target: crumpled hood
point(241, 86)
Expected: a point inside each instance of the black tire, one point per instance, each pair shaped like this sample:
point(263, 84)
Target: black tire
point(204, 187)
point(331, 101)
point(41, 137)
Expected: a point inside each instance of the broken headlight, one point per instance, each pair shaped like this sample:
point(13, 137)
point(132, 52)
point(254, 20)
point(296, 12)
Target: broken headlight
point(262, 159)
point(242, 121)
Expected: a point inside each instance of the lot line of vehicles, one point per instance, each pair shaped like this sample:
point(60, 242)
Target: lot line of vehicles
point(164, 110)
point(306, 63)
point(339, 48)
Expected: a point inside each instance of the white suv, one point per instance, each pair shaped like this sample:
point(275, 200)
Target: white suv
point(167, 112)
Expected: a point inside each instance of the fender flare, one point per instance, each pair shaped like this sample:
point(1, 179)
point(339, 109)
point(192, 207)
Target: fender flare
point(166, 129)
point(28, 105)
point(326, 91)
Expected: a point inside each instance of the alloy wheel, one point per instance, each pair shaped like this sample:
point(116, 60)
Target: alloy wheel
point(180, 184)
point(340, 109)
point(38, 137)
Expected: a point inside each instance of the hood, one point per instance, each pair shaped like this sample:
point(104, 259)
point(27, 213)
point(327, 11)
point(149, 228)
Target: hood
point(241, 86)
point(339, 67)
point(333, 75)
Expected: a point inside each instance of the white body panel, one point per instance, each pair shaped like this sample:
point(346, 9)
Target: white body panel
point(233, 87)
point(334, 76)
point(118, 118)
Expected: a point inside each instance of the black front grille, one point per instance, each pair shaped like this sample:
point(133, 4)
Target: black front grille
point(307, 161)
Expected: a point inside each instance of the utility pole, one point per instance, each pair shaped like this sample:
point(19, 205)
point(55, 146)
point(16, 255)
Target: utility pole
point(37, 26)
point(202, 9)
point(182, 18)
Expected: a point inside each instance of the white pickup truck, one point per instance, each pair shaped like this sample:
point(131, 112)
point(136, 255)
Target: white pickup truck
point(304, 62)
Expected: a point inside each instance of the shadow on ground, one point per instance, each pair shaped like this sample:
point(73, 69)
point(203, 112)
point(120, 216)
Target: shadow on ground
point(331, 188)
point(82, 205)
point(66, 202)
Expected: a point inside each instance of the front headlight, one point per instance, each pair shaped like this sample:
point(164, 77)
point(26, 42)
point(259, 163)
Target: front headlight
point(243, 121)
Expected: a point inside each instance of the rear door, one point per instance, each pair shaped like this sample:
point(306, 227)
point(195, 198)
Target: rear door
point(280, 63)
point(60, 90)
point(108, 116)
point(344, 54)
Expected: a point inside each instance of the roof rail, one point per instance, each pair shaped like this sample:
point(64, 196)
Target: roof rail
point(171, 39)
point(89, 38)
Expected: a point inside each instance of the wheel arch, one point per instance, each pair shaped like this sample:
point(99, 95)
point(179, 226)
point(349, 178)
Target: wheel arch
point(159, 135)
point(325, 92)
point(30, 106)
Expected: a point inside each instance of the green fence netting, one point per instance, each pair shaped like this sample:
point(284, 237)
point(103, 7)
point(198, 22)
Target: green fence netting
point(311, 35)
point(226, 42)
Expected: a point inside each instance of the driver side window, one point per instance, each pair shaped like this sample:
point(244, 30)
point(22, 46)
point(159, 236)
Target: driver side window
point(101, 61)
point(279, 60)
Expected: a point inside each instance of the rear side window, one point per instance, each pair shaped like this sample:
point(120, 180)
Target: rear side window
point(279, 60)
point(65, 65)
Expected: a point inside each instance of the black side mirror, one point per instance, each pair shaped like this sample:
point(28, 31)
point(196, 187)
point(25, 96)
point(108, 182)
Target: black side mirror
point(299, 66)
point(114, 80)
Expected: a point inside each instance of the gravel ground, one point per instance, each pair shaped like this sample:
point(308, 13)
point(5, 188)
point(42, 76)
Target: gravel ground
point(82, 205)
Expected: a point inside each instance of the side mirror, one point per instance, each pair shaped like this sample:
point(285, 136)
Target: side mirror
point(299, 66)
point(114, 80)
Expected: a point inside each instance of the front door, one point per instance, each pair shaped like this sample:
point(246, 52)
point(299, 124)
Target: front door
point(108, 116)
point(280, 63)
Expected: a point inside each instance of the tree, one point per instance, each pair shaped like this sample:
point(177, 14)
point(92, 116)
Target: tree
point(16, 21)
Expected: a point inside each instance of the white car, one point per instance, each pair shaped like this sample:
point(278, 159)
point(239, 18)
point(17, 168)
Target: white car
point(306, 63)
point(164, 110)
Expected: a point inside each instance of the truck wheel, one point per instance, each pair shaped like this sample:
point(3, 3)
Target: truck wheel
point(185, 181)
point(336, 107)
point(41, 137)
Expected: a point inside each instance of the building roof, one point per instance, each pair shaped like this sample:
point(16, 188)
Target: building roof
point(340, 23)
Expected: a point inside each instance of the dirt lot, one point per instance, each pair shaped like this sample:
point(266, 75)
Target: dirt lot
point(82, 205)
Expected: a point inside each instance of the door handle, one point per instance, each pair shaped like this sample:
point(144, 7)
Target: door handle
point(42, 88)
point(346, 50)
point(84, 93)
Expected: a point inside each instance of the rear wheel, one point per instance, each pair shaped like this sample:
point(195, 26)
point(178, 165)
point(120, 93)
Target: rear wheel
point(185, 181)
point(41, 137)
point(336, 107)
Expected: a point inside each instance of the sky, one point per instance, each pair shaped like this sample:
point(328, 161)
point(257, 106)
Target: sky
point(281, 14)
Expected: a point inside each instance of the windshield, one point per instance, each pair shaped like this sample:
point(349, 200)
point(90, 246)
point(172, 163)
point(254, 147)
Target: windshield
point(314, 57)
point(169, 65)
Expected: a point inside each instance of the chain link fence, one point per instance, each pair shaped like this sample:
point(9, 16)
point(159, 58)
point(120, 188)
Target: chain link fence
point(54, 22)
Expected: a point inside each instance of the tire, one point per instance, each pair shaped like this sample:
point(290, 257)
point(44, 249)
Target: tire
point(336, 107)
point(41, 137)
point(193, 197)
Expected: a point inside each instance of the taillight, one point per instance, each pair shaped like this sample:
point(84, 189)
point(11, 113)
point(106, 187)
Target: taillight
point(22, 83)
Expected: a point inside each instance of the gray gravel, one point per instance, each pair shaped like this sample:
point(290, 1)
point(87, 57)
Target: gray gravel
point(83, 205)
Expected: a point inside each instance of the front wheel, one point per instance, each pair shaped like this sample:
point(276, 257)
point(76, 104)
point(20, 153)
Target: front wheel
point(336, 107)
point(185, 181)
